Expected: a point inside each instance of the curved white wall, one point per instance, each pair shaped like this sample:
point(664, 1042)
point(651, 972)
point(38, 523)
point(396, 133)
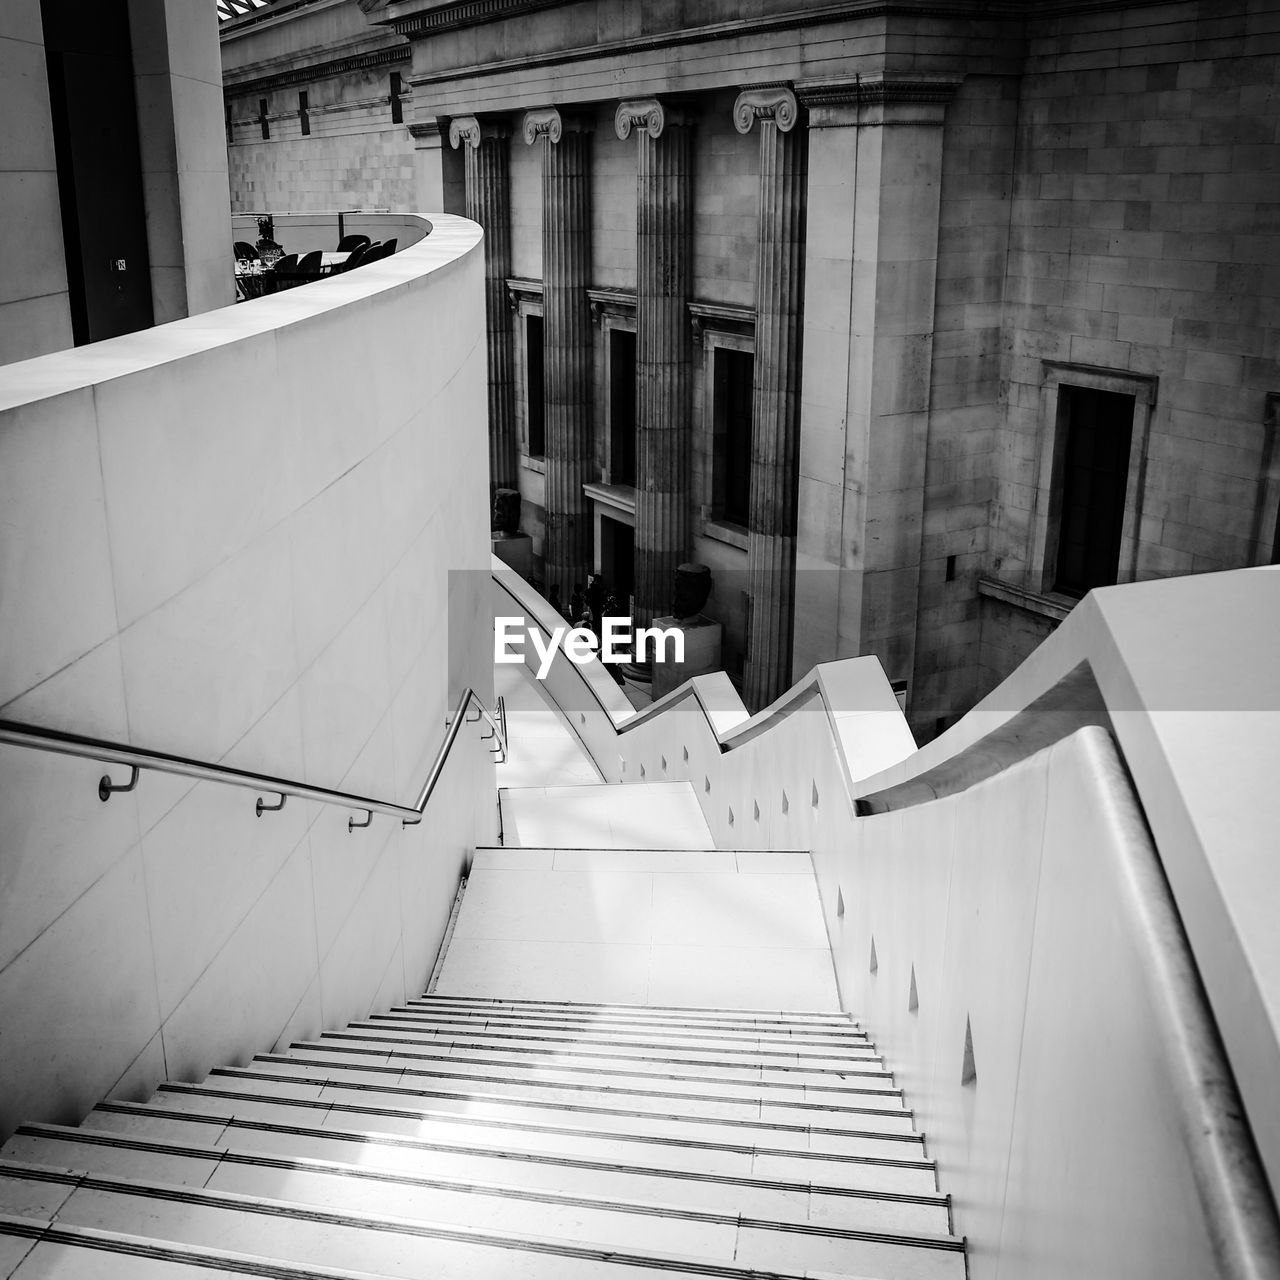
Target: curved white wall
point(231, 537)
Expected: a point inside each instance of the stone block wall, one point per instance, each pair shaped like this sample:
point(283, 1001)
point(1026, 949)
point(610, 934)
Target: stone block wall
point(1145, 241)
point(963, 451)
point(354, 158)
point(726, 166)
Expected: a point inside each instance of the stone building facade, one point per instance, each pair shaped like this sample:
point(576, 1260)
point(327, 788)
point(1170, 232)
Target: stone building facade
point(913, 323)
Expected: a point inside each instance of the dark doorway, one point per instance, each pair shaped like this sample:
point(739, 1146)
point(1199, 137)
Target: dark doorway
point(732, 396)
point(535, 401)
point(1095, 474)
point(95, 133)
point(618, 559)
point(622, 407)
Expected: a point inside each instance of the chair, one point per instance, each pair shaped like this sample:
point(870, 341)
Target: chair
point(245, 252)
point(355, 258)
point(378, 252)
point(349, 244)
point(309, 264)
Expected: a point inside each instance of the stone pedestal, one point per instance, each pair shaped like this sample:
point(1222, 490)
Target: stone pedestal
point(566, 272)
point(514, 550)
point(664, 245)
point(488, 193)
point(702, 645)
point(775, 452)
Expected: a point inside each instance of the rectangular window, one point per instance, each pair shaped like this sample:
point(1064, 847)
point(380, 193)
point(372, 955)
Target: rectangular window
point(397, 107)
point(622, 406)
point(733, 374)
point(262, 118)
point(304, 113)
point(534, 399)
point(1095, 476)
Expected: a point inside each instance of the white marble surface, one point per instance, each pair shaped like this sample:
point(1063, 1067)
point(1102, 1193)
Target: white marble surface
point(642, 927)
point(541, 748)
point(652, 815)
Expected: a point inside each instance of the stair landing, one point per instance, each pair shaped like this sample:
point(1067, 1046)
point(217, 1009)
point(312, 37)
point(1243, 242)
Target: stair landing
point(643, 927)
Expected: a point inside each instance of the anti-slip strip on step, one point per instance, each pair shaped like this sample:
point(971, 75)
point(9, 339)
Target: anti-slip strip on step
point(231, 1201)
point(405, 1021)
point(535, 1022)
point(551, 1104)
point(183, 1255)
point(365, 1137)
point(375, 1035)
point(621, 1091)
point(690, 1026)
point(675, 1010)
point(364, 1047)
point(527, 1126)
point(186, 1194)
point(207, 1258)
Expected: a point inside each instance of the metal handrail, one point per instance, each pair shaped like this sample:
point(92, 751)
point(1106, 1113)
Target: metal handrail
point(17, 734)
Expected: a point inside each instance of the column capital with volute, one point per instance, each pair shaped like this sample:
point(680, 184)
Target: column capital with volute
point(774, 102)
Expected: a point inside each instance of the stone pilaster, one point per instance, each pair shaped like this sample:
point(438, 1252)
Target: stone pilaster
point(489, 203)
point(566, 270)
point(663, 256)
point(775, 447)
point(875, 177)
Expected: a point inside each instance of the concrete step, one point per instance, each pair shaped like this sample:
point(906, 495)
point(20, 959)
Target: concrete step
point(612, 1213)
point(469, 1045)
point(514, 1066)
point(709, 1177)
point(831, 1036)
point(431, 1080)
point(667, 1014)
point(602, 1114)
point(390, 1245)
point(672, 1046)
point(794, 1160)
point(33, 1249)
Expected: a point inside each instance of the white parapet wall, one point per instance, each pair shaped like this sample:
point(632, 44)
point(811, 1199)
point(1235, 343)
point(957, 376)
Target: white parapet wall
point(1057, 920)
point(232, 538)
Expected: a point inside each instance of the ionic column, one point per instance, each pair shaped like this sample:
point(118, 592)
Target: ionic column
point(566, 269)
point(489, 204)
point(663, 255)
point(771, 543)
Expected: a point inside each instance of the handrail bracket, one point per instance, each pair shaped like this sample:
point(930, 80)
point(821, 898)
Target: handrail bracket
point(107, 788)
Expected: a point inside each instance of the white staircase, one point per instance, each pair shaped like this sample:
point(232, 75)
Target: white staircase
point(470, 1137)
point(606, 1081)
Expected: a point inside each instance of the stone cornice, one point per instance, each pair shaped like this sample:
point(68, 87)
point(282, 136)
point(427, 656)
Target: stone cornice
point(774, 102)
point(428, 129)
point(521, 289)
point(472, 13)
point(877, 89)
point(462, 13)
point(611, 302)
point(289, 76)
point(714, 317)
point(736, 29)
